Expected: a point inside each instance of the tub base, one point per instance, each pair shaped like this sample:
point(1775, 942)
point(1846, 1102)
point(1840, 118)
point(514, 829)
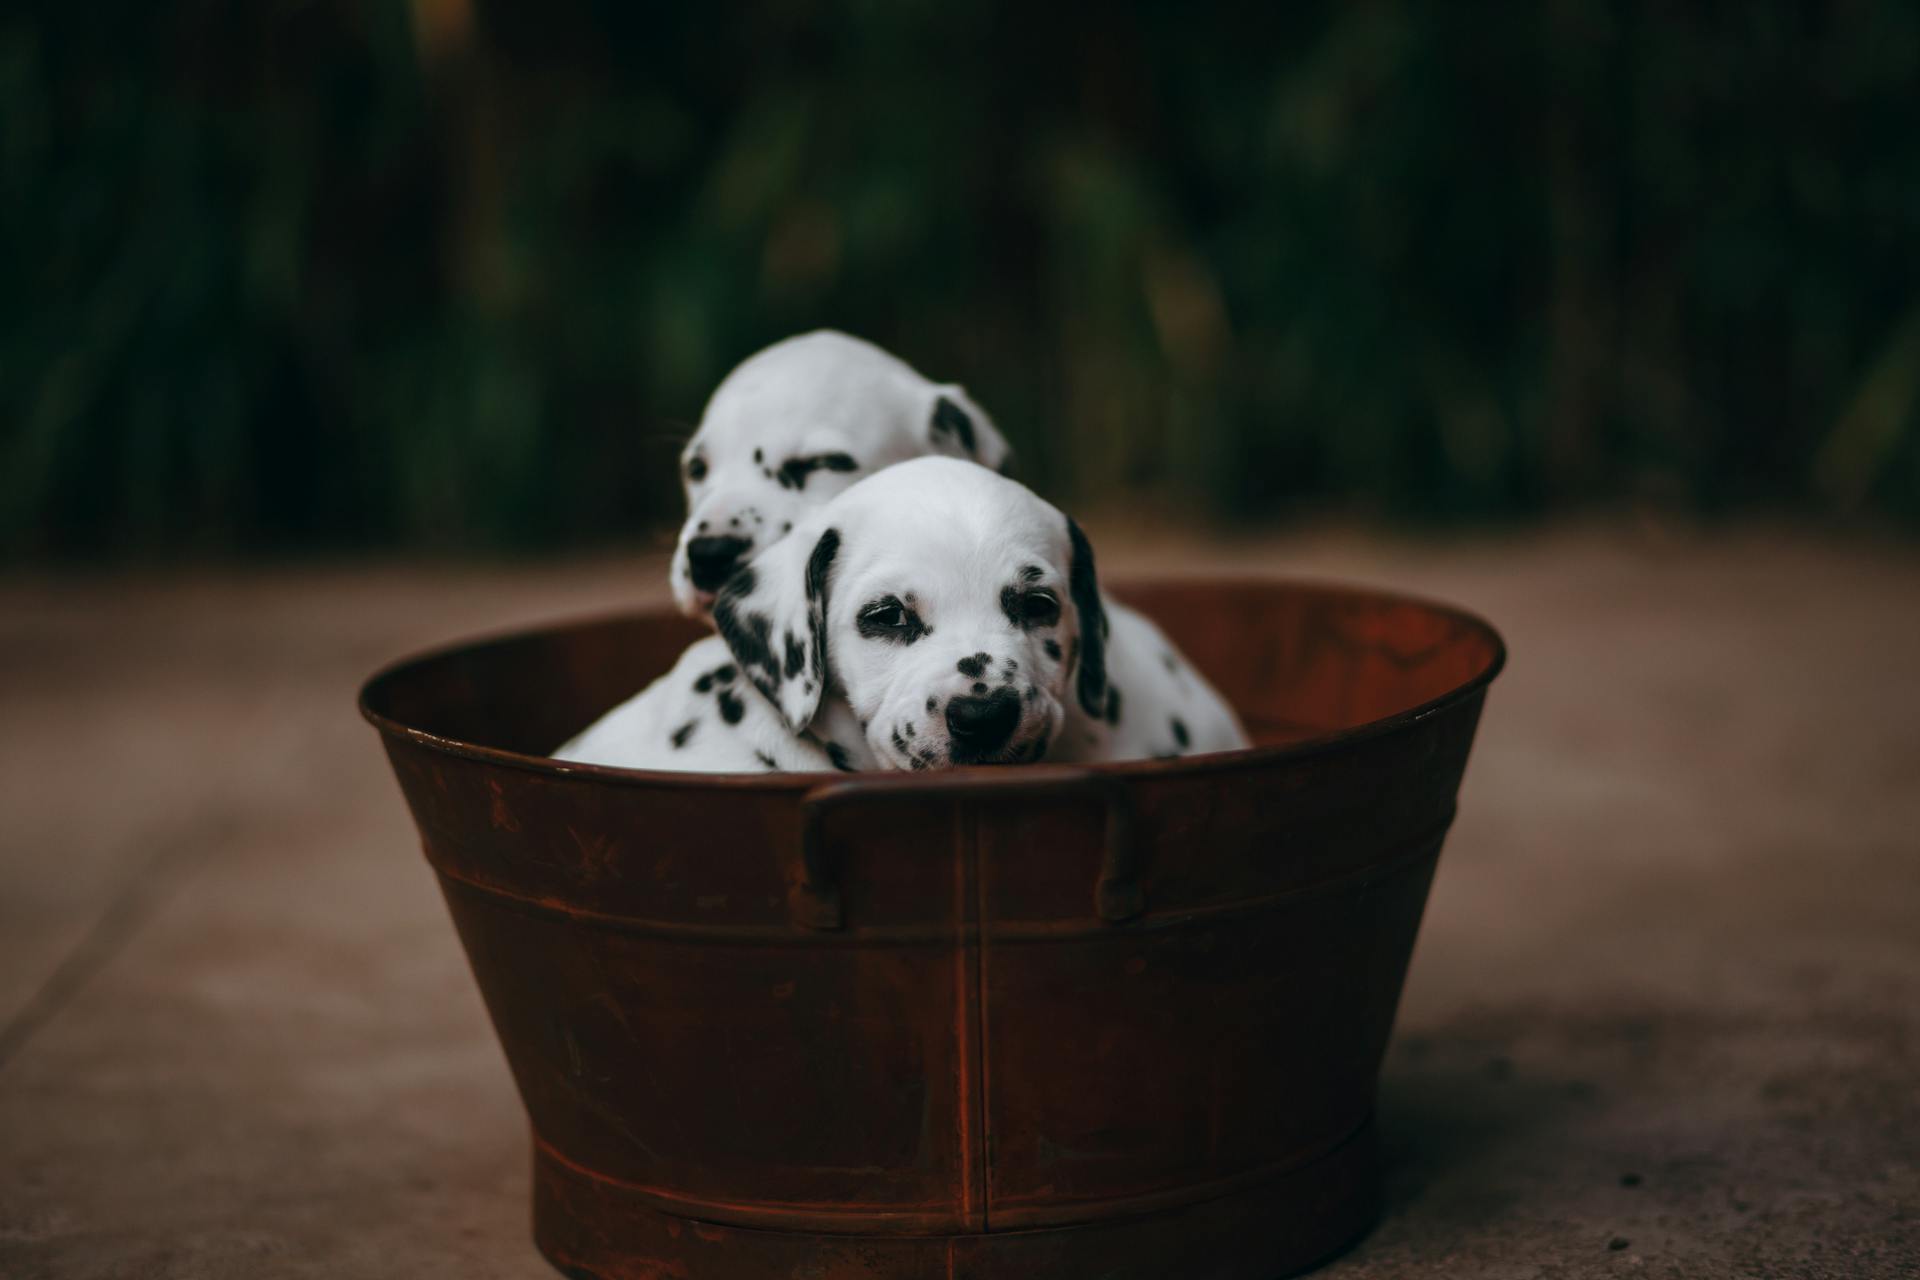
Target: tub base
point(594, 1229)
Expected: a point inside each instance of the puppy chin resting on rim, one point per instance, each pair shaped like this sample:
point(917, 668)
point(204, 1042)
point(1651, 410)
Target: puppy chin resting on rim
point(932, 614)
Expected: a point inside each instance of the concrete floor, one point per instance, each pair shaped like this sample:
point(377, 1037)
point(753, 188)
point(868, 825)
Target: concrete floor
point(1664, 1019)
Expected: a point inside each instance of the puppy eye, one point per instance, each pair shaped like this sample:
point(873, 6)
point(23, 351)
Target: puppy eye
point(884, 615)
point(1040, 608)
point(696, 469)
point(888, 619)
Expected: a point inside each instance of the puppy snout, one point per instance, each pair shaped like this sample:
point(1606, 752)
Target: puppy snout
point(980, 726)
point(713, 560)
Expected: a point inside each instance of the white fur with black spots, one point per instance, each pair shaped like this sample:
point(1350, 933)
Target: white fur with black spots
point(933, 614)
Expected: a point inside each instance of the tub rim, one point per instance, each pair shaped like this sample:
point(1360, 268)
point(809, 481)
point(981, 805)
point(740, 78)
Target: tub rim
point(956, 779)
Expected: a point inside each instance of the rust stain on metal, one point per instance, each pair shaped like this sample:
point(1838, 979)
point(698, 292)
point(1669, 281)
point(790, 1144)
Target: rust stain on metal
point(500, 815)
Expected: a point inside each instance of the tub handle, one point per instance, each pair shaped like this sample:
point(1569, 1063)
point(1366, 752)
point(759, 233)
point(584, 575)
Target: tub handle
point(815, 900)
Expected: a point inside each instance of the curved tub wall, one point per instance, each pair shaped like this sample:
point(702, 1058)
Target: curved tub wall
point(1003, 1019)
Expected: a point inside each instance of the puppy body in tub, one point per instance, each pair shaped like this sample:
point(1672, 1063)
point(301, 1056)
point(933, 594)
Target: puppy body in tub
point(932, 614)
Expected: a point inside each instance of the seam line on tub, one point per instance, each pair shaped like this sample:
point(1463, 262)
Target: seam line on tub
point(696, 1209)
point(1399, 854)
point(977, 935)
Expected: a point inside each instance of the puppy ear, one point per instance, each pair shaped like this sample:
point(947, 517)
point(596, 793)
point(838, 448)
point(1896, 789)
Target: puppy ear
point(773, 616)
point(960, 428)
point(1084, 587)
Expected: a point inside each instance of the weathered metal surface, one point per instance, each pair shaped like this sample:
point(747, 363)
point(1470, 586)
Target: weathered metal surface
point(1121, 1021)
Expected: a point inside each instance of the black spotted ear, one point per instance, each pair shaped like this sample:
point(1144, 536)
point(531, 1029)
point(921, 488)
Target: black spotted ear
point(1084, 586)
point(959, 428)
point(773, 616)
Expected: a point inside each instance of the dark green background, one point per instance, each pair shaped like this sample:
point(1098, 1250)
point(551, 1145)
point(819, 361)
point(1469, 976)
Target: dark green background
point(281, 276)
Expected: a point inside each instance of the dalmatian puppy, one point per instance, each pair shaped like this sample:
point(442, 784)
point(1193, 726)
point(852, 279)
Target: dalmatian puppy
point(795, 424)
point(933, 614)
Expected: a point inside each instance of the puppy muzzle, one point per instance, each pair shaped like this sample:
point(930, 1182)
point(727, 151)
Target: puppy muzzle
point(711, 561)
point(980, 728)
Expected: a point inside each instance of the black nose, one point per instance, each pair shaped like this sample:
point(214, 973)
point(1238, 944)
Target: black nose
point(713, 560)
point(980, 726)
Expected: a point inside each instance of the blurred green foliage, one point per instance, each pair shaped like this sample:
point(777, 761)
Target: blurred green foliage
point(345, 274)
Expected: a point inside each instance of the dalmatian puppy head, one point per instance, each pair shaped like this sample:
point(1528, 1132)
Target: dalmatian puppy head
point(791, 427)
point(956, 613)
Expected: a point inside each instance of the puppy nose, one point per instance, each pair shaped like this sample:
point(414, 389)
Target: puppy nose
point(980, 725)
point(713, 560)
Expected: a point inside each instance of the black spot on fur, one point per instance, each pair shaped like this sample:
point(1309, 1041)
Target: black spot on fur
point(972, 667)
point(731, 708)
point(838, 754)
point(1180, 734)
point(949, 419)
point(1052, 647)
point(1033, 693)
point(1084, 586)
point(684, 732)
point(933, 704)
point(820, 563)
point(979, 688)
point(749, 636)
point(767, 760)
point(749, 633)
point(899, 743)
point(794, 471)
point(819, 567)
point(758, 456)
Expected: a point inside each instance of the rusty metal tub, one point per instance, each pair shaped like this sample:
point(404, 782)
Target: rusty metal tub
point(1119, 1022)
